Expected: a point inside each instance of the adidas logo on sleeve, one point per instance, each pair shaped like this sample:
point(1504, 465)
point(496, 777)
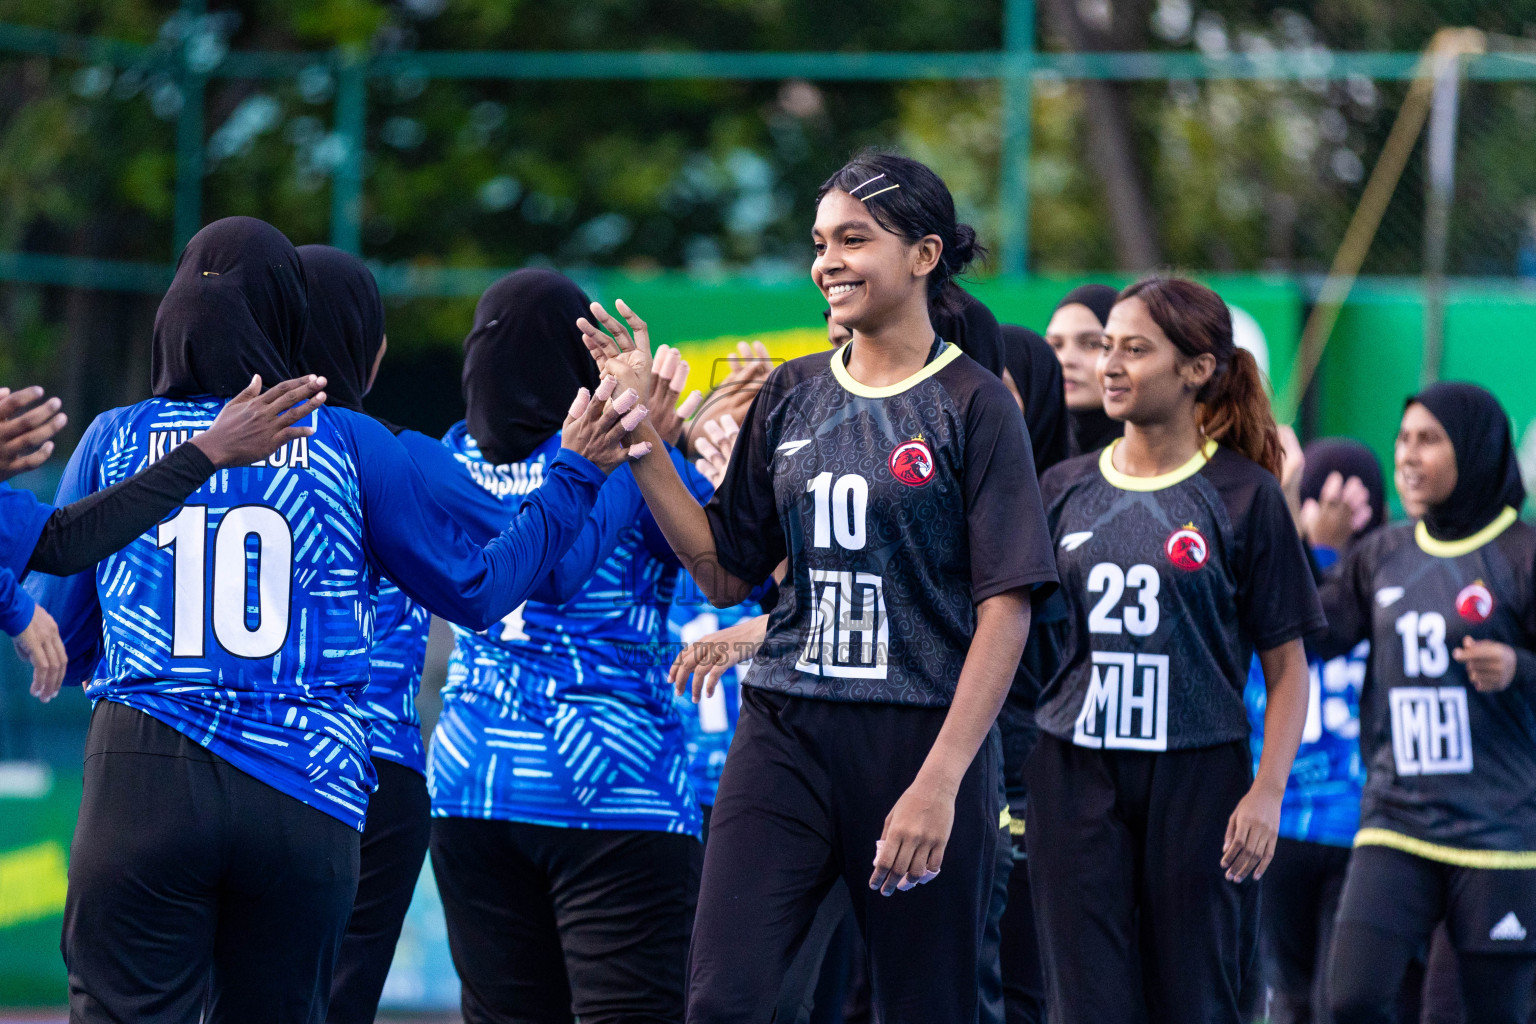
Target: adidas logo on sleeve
point(1508, 929)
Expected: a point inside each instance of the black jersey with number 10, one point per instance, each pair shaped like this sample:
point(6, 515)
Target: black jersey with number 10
point(1450, 770)
point(899, 508)
point(1171, 583)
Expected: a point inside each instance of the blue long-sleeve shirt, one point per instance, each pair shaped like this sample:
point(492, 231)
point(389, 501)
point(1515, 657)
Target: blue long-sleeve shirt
point(245, 621)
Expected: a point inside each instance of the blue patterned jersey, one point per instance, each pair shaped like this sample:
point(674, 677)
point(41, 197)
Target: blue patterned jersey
point(1322, 795)
point(709, 725)
point(400, 628)
point(558, 715)
point(244, 620)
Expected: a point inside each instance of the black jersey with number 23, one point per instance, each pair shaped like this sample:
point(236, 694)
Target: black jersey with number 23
point(1171, 583)
point(899, 508)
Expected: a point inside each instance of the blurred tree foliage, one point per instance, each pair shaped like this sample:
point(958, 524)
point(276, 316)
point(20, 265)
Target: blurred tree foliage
point(713, 176)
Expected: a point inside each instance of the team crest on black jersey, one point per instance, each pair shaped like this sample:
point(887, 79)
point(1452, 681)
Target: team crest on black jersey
point(912, 462)
point(1475, 602)
point(1187, 548)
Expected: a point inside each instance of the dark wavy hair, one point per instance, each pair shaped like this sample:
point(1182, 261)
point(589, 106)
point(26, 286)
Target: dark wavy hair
point(922, 206)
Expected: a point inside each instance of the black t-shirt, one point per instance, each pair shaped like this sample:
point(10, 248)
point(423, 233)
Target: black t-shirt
point(1170, 584)
point(899, 509)
point(1445, 763)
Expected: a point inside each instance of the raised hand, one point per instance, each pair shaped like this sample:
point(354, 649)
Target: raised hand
point(714, 440)
point(40, 646)
point(27, 426)
point(596, 428)
point(669, 376)
point(624, 351)
point(750, 366)
point(254, 425)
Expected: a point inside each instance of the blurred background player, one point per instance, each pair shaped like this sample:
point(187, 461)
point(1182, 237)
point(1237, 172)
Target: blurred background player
point(1076, 333)
point(1343, 498)
point(1179, 559)
point(1448, 812)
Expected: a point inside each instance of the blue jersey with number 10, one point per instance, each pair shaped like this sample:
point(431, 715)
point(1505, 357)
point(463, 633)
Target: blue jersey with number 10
point(244, 620)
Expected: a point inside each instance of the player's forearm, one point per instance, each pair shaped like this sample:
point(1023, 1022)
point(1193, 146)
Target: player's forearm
point(1285, 713)
point(683, 523)
point(1002, 626)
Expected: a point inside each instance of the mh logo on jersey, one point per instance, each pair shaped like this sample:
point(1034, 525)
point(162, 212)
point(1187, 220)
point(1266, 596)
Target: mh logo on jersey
point(912, 462)
point(1475, 602)
point(1187, 548)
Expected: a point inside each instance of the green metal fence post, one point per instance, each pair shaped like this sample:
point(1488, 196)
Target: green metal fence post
point(187, 217)
point(1013, 183)
point(351, 125)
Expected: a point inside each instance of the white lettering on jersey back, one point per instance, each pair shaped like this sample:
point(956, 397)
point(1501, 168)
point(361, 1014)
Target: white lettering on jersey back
point(849, 636)
point(1073, 541)
point(1430, 731)
point(1126, 707)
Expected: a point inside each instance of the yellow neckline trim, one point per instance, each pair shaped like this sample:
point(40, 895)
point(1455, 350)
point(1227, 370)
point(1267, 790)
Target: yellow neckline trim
point(1496, 859)
point(1126, 482)
point(1467, 545)
point(840, 371)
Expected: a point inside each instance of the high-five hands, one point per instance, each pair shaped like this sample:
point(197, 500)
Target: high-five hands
point(27, 426)
point(624, 352)
point(669, 377)
point(597, 428)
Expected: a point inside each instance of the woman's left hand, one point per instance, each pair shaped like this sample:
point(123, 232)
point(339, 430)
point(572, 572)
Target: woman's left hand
point(669, 376)
point(1251, 834)
point(916, 832)
point(1490, 665)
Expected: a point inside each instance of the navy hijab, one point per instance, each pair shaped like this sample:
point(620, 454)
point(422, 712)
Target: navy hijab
point(974, 330)
point(237, 306)
point(524, 362)
point(1487, 472)
point(346, 324)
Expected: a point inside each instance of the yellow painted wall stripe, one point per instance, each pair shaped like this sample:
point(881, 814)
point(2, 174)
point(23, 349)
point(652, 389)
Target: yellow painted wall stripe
point(32, 883)
point(1508, 860)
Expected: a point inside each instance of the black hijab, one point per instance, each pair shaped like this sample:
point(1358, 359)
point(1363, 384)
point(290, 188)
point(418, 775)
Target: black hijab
point(974, 330)
point(1487, 473)
point(1037, 374)
point(236, 307)
point(524, 362)
point(346, 324)
point(1092, 429)
point(1348, 458)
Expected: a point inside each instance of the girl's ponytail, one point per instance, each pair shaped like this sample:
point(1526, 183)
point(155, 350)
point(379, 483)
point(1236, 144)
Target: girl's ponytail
point(1239, 415)
point(1234, 404)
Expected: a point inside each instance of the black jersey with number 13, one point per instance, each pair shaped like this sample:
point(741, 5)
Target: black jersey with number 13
point(1171, 583)
point(900, 508)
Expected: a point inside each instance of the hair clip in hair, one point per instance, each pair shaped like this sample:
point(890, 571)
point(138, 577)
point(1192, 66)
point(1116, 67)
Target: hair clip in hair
point(865, 199)
point(210, 273)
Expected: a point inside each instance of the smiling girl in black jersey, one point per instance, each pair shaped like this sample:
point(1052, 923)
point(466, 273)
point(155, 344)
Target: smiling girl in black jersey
point(1178, 559)
point(895, 475)
point(1447, 719)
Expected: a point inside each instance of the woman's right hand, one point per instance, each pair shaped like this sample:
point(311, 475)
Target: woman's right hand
point(1341, 509)
point(252, 425)
point(711, 657)
point(624, 351)
point(597, 428)
point(27, 426)
point(714, 441)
